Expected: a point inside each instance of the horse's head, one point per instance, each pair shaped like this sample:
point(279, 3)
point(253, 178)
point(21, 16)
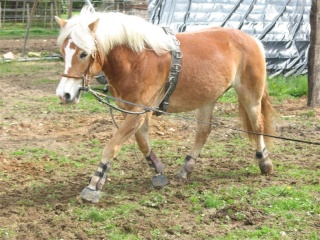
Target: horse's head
point(82, 61)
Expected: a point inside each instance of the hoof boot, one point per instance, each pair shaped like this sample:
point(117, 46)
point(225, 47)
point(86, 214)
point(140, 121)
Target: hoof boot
point(265, 166)
point(90, 195)
point(159, 181)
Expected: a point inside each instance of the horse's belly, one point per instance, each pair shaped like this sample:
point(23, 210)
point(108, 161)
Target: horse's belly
point(192, 99)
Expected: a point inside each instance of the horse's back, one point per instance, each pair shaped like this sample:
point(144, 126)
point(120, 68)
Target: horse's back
point(215, 59)
point(218, 40)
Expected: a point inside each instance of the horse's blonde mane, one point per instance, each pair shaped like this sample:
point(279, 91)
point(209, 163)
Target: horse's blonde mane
point(115, 29)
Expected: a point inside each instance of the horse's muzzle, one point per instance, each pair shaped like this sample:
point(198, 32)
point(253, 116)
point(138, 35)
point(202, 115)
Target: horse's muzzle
point(67, 98)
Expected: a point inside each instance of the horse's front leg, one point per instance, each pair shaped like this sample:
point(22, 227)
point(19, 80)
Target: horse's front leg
point(142, 137)
point(131, 124)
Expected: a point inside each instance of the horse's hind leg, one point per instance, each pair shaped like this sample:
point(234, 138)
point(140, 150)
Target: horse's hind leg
point(202, 133)
point(143, 141)
point(251, 111)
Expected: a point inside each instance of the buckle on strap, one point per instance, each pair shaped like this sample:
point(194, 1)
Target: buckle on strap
point(177, 54)
point(176, 68)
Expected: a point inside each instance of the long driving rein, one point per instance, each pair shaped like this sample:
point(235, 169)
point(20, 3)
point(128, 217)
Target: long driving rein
point(170, 86)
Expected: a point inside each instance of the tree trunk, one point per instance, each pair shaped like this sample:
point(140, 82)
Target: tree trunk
point(314, 56)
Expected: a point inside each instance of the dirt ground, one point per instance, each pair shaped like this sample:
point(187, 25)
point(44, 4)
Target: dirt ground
point(26, 124)
point(40, 44)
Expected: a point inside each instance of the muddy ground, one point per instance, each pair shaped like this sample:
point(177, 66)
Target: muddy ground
point(37, 202)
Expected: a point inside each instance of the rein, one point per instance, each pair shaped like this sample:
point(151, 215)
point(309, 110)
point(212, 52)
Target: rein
point(98, 96)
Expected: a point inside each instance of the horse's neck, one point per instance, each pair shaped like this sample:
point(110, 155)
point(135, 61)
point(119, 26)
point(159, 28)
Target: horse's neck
point(118, 63)
point(129, 72)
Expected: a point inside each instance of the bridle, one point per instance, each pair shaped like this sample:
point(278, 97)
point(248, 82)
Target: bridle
point(86, 76)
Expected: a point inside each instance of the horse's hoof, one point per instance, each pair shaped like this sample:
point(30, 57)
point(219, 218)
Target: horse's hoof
point(178, 179)
point(90, 195)
point(159, 181)
point(266, 166)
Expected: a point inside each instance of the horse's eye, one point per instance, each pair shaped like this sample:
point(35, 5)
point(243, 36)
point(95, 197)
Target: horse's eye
point(83, 55)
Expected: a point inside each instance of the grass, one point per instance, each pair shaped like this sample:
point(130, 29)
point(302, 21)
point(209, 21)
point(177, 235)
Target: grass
point(225, 198)
point(280, 88)
point(295, 206)
point(19, 32)
point(48, 156)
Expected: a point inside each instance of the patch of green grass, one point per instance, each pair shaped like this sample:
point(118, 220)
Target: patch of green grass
point(25, 69)
point(293, 206)
point(7, 233)
point(20, 32)
point(309, 113)
point(154, 200)
point(262, 232)
point(217, 150)
point(289, 198)
point(211, 200)
point(95, 214)
point(229, 97)
point(4, 177)
point(45, 81)
point(56, 159)
point(25, 202)
point(89, 103)
point(280, 88)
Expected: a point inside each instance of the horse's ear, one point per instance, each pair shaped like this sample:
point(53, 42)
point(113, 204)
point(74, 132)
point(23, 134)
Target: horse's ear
point(93, 26)
point(61, 22)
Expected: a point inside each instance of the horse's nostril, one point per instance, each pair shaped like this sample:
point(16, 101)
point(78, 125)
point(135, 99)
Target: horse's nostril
point(67, 97)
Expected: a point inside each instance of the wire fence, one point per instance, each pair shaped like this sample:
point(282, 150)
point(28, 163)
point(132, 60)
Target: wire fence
point(17, 12)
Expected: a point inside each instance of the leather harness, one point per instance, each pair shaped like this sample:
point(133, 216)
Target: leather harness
point(175, 69)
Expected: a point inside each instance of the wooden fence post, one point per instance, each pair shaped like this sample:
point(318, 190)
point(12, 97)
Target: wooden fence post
point(23, 11)
point(51, 16)
point(70, 9)
point(28, 27)
point(56, 7)
point(0, 14)
point(4, 12)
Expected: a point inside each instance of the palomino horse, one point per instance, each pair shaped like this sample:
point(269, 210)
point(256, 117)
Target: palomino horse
point(136, 57)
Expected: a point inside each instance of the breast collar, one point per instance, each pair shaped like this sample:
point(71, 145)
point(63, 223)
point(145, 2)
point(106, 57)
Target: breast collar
point(175, 69)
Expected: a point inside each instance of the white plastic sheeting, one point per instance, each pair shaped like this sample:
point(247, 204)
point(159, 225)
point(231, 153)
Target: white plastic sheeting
point(282, 25)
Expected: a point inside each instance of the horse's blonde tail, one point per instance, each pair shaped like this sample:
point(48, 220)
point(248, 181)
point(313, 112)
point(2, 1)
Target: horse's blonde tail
point(266, 120)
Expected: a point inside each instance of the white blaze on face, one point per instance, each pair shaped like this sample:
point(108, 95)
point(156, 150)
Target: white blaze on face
point(68, 88)
point(69, 52)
